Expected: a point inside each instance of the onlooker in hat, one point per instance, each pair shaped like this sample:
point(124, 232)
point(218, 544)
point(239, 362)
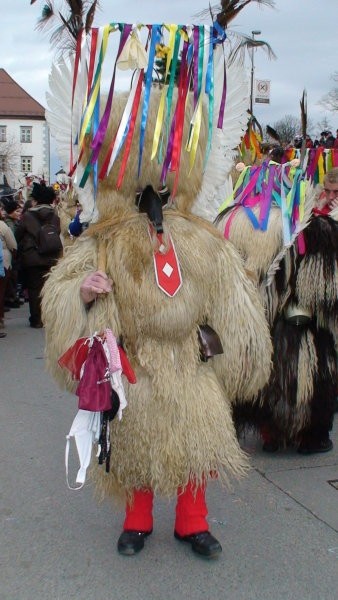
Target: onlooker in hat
point(322, 139)
point(308, 142)
point(7, 247)
point(12, 216)
point(35, 260)
point(297, 142)
point(276, 154)
point(13, 211)
point(329, 142)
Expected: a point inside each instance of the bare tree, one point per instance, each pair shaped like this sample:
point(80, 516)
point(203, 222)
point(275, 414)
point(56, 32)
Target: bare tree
point(330, 100)
point(10, 151)
point(324, 125)
point(287, 128)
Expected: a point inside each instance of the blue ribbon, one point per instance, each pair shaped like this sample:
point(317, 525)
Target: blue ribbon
point(155, 39)
point(220, 36)
point(252, 217)
point(96, 122)
point(209, 90)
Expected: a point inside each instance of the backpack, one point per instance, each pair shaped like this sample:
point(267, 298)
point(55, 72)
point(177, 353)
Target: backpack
point(48, 240)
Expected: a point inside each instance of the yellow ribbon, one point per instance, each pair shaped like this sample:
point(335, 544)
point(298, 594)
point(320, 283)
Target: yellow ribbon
point(194, 133)
point(321, 170)
point(238, 183)
point(90, 107)
point(160, 112)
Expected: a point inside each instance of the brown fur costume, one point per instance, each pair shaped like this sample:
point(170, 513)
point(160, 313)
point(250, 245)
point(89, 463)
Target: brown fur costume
point(177, 426)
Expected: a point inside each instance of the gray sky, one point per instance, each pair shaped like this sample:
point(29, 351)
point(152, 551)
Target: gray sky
point(302, 33)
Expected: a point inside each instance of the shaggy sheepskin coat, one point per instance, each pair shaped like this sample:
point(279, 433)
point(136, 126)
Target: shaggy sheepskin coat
point(178, 424)
point(177, 427)
point(299, 400)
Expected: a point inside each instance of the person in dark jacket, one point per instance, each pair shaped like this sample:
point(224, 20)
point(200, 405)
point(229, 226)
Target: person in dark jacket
point(35, 264)
point(11, 218)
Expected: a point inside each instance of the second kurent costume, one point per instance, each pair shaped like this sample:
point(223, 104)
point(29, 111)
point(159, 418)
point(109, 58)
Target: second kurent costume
point(300, 296)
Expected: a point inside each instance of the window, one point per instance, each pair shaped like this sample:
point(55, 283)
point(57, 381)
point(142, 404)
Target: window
point(25, 134)
point(26, 164)
point(3, 133)
point(3, 163)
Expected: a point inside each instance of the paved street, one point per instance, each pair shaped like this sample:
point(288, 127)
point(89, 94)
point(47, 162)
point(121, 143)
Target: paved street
point(278, 528)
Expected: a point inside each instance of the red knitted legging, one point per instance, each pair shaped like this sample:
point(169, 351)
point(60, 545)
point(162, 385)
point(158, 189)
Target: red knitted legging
point(191, 511)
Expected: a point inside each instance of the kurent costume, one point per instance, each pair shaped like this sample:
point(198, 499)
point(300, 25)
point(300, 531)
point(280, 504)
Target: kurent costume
point(274, 208)
point(171, 274)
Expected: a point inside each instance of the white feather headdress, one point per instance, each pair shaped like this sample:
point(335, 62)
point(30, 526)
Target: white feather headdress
point(63, 120)
point(67, 112)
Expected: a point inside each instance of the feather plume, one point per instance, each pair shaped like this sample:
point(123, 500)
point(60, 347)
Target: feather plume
point(60, 118)
point(224, 141)
point(47, 15)
point(271, 132)
point(227, 10)
point(243, 43)
point(67, 24)
point(90, 16)
point(303, 113)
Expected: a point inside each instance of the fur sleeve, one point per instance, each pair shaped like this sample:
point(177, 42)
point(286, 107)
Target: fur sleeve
point(245, 365)
point(64, 314)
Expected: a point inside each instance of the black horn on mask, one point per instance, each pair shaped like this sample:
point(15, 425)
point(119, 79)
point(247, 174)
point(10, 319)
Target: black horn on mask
point(150, 202)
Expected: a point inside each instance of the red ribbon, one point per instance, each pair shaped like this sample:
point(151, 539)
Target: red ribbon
point(105, 165)
point(130, 134)
point(92, 58)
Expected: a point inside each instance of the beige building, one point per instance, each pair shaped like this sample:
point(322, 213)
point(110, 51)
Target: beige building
point(24, 135)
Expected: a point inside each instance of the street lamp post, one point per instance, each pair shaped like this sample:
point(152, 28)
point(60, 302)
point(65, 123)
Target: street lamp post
point(255, 32)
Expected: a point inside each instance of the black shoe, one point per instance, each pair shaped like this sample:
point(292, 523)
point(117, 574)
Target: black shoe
point(13, 304)
point(202, 543)
point(315, 447)
point(270, 447)
point(131, 542)
point(38, 325)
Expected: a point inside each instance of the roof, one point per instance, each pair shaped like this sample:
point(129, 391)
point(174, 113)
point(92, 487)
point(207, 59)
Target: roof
point(15, 102)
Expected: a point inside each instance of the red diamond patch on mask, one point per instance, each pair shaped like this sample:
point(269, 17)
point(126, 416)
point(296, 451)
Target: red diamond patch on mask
point(167, 268)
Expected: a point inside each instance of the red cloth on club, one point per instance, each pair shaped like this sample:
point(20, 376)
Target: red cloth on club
point(94, 390)
point(74, 357)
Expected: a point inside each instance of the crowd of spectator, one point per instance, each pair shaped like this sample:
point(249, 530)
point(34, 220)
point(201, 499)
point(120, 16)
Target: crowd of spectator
point(24, 261)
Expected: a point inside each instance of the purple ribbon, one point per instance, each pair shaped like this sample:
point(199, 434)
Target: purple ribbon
point(102, 130)
point(266, 199)
point(222, 105)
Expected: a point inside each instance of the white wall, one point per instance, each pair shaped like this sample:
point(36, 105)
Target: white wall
point(13, 148)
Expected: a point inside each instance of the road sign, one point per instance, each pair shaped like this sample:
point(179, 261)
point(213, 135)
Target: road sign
point(262, 91)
